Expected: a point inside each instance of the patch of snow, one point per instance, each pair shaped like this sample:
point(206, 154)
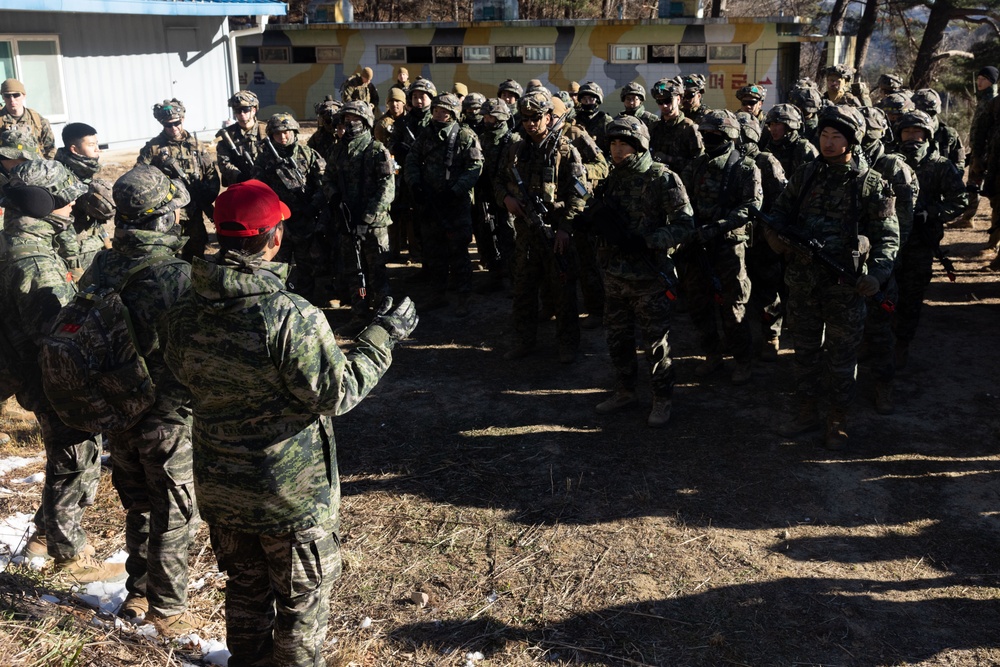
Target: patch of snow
point(37, 478)
point(15, 462)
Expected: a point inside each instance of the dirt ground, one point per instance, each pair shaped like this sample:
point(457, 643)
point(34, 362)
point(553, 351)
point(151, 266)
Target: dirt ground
point(543, 533)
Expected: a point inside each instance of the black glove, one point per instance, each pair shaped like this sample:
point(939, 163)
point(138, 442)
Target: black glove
point(707, 233)
point(398, 321)
point(920, 218)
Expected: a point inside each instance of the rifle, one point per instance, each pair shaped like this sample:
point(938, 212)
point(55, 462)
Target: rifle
point(535, 211)
point(203, 200)
point(814, 249)
point(289, 173)
point(245, 164)
point(490, 221)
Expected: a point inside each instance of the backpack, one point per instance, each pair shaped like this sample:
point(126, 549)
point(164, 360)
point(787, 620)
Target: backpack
point(92, 372)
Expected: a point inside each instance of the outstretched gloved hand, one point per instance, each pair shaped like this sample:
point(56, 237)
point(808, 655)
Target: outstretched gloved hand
point(398, 320)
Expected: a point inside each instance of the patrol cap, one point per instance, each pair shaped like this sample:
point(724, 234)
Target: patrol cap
point(248, 209)
point(497, 108)
point(845, 119)
point(243, 98)
point(361, 109)
point(145, 192)
point(18, 143)
point(12, 86)
point(169, 111)
point(51, 176)
point(631, 130)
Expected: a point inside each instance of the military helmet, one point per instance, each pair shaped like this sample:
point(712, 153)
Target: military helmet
point(533, 104)
point(633, 88)
point(18, 143)
point(168, 111)
point(567, 101)
point(750, 129)
point(631, 130)
point(784, 113)
point(845, 119)
point(325, 102)
point(360, 109)
point(693, 83)
point(510, 86)
point(422, 85)
point(806, 82)
point(591, 88)
point(927, 100)
point(330, 111)
point(896, 103)
point(843, 71)
point(753, 92)
point(145, 192)
point(448, 102)
point(473, 102)
point(666, 88)
point(806, 98)
point(243, 98)
point(875, 121)
point(916, 118)
point(497, 108)
point(51, 176)
point(720, 120)
point(890, 81)
point(281, 122)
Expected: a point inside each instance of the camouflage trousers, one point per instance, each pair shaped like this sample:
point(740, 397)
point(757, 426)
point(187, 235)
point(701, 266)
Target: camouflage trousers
point(766, 271)
point(151, 470)
point(715, 280)
point(374, 255)
point(914, 269)
point(535, 266)
point(277, 595)
point(591, 276)
point(879, 336)
point(445, 237)
point(828, 321)
point(629, 303)
point(193, 226)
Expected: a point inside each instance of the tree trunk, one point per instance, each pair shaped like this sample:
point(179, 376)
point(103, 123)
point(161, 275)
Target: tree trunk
point(718, 8)
point(865, 30)
point(605, 9)
point(836, 28)
point(937, 22)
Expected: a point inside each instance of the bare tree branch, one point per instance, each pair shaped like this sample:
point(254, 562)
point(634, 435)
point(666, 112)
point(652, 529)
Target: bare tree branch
point(941, 55)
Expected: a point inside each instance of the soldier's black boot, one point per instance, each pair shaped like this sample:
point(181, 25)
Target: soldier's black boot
point(806, 419)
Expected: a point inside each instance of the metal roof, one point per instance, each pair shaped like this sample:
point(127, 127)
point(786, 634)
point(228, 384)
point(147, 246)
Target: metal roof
point(151, 7)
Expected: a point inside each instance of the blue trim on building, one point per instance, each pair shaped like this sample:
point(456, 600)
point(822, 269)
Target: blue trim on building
point(150, 7)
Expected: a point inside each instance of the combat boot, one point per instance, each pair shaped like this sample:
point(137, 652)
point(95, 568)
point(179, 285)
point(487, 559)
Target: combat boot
point(175, 625)
point(38, 547)
point(618, 400)
point(135, 607)
point(709, 365)
point(84, 569)
point(769, 351)
point(659, 415)
point(883, 398)
point(742, 373)
point(836, 430)
point(805, 421)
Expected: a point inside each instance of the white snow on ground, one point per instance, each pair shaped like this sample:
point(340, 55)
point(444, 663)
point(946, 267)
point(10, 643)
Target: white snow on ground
point(15, 462)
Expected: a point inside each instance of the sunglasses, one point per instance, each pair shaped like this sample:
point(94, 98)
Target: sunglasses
point(172, 124)
point(244, 109)
point(689, 96)
point(11, 96)
point(531, 119)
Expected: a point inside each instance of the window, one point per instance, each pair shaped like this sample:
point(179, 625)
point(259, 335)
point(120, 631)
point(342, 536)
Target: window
point(330, 54)
point(539, 54)
point(725, 53)
point(249, 55)
point(662, 53)
point(477, 54)
point(304, 54)
point(35, 61)
point(509, 54)
point(389, 54)
point(447, 54)
point(274, 55)
point(627, 53)
point(419, 54)
point(691, 53)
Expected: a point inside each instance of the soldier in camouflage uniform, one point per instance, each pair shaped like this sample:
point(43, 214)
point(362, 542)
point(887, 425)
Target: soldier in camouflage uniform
point(240, 143)
point(80, 154)
point(151, 461)
point(946, 138)
point(404, 133)
point(694, 89)
point(783, 122)
point(590, 117)
point(641, 213)
point(838, 83)
point(14, 113)
point(178, 154)
point(328, 130)
point(633, 96)
point(472, 116)
point(510, 91)
point(360, 184)
point(442, 168)
point(543, 170)
point(887, 84)
point(723, 185)
point(942, 198)
point(265, 372)
point(764, 266)
point(879, 337)
point(359, 88)
point(752, 101)
point(673, 140)
point(496, 248)
point(295, 172)
point(394, 109)
point(980, 135)
point(17, 145)
point(836, 200)
point(807, 99)
point(894, 106)
point(34, 286)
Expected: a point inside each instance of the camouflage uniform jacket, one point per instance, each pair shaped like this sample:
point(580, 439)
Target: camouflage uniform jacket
point(596, 125)
point(494, 145)
point(652, 203)
point(594, 162)
point(942, 195)
point(949, 144)
point(189, 161)
point(551, 170)
point(697, 115)
point(296, 176)
point(405, 131)
point(233, 168)
point(675, 142)
point(772, 174)
point(148, 298)
point(845, 98)
point(323, 141)
point(426, 162)
point(361, 174)
point(793, 151)
point(643, 114)
point(87, 234)
point(40, 129)
point(830, 202)
point(903, 180)
point(982, 125)
point(265, 374)
point(383, 128)
point(355, 89)
point(34, 284)
point(722, 190)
